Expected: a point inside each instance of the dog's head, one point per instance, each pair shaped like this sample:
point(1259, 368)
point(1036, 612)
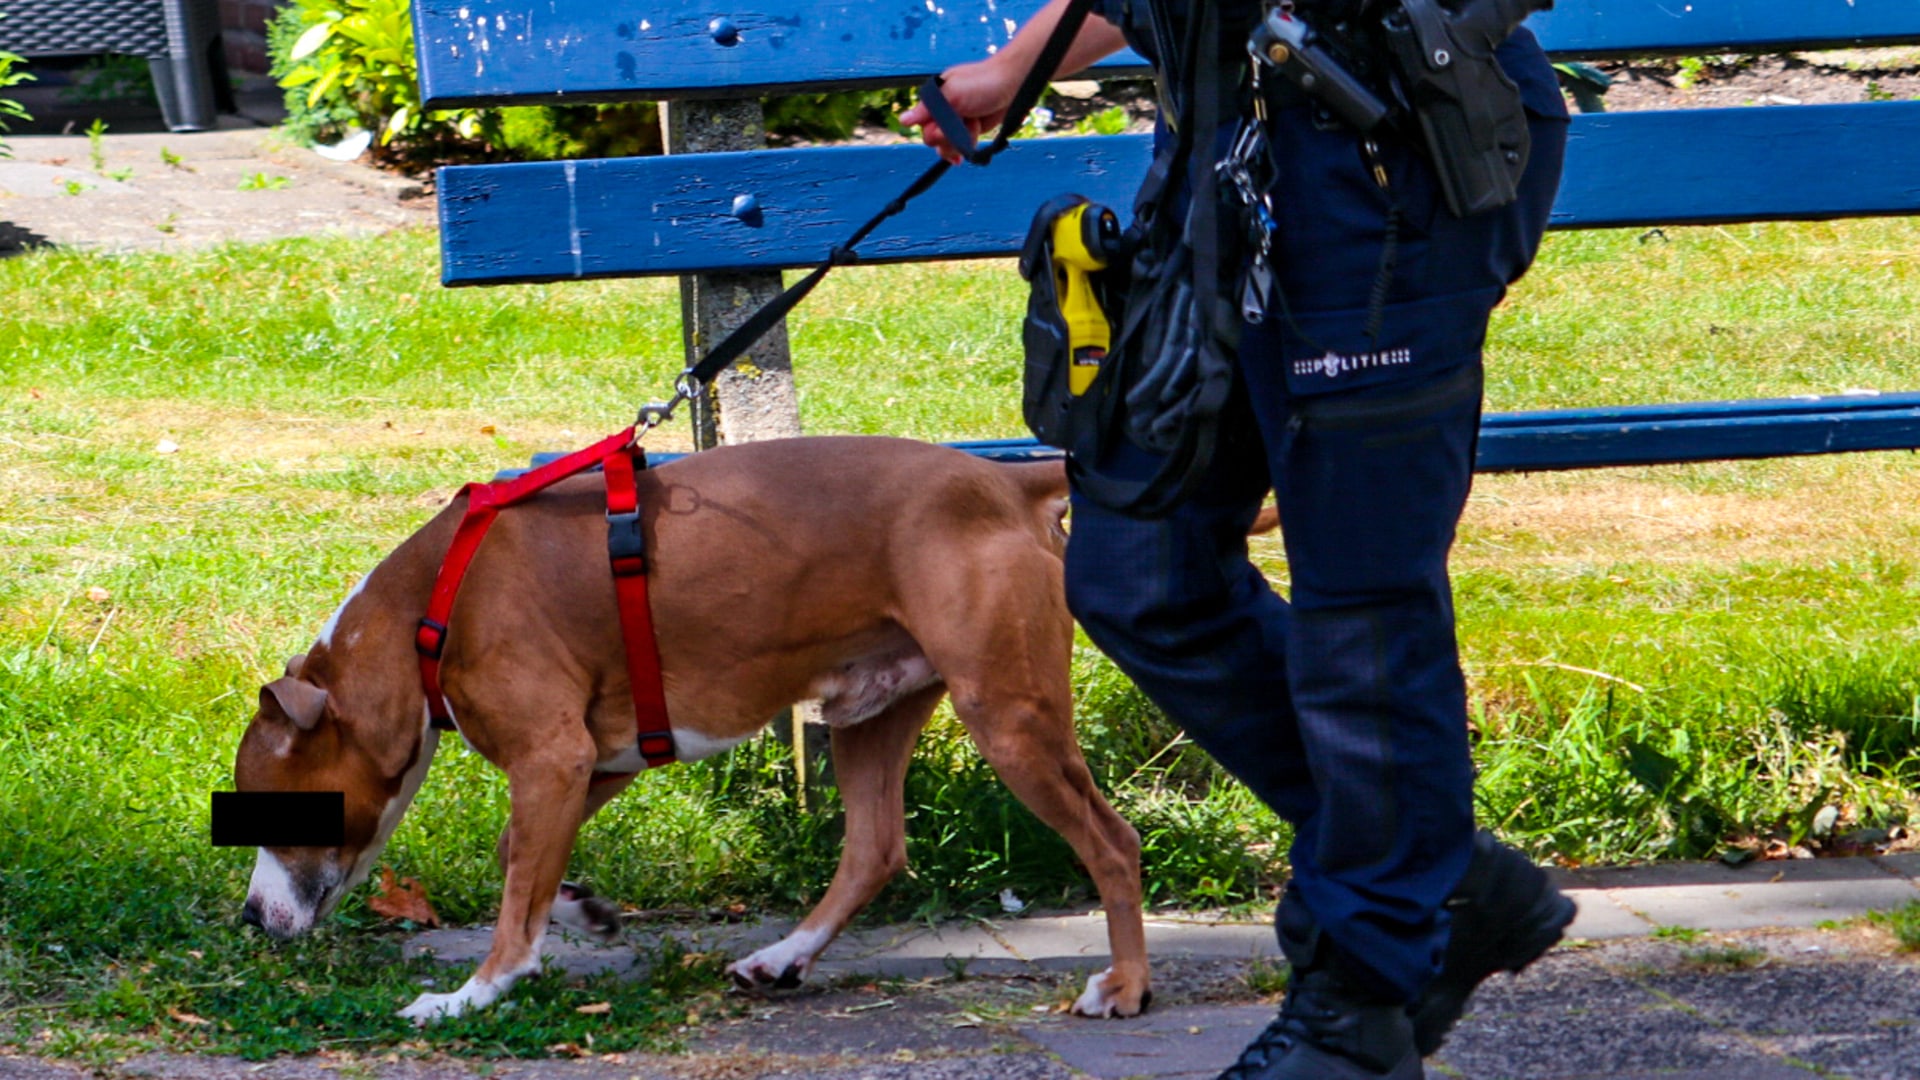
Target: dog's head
point(304, 738)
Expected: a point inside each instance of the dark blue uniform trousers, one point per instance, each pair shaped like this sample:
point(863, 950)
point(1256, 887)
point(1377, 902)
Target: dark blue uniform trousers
point(1343, 708)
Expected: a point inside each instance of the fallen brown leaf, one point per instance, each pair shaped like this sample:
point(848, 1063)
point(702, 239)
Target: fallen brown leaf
point(403, 900)
point(188, 1018)
point(598, 1008)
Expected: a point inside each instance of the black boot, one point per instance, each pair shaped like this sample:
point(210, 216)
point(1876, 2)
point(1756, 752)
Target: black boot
point(1330, 1027)
point(1506, 913)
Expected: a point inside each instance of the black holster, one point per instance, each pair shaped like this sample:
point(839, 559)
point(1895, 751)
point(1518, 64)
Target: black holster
point(1468, 111)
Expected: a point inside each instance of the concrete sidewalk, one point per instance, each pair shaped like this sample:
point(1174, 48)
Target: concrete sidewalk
point(1688, 972)
point(161, 191)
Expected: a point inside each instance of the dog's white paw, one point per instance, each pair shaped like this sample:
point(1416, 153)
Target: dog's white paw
point(1103, 998)
point(759, 973)
point(780, 966)
point(428, 1008)
point(576, 908)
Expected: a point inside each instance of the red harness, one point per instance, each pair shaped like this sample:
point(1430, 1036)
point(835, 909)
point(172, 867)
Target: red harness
point(626, 552)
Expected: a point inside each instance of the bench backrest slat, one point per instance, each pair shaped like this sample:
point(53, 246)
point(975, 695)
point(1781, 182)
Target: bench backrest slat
point(486, 52)
point(670, 215)
point(490, 52)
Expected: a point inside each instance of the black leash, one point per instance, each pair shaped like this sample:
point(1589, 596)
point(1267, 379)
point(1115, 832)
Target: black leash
point(1025, 98)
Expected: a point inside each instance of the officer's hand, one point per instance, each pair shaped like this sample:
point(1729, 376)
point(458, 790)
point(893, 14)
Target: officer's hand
point(980, 93)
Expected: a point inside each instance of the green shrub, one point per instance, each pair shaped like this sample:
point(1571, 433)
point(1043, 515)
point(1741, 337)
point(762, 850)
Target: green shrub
point(113, 77)
point(311, 118)
point(10, 109)
point(833, 115)
point(349, 65)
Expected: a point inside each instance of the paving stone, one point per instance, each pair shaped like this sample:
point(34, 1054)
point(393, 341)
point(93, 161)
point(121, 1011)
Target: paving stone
point(464, 946)
point(22, 1068)
point(239, 184)
point(1906, 864)
point(1600, 919)
point(1751, 905)
point(1084, 938)
point(958, 940)
point(1197, 1040)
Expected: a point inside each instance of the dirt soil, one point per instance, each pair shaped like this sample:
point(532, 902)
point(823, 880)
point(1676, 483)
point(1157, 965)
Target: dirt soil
point(1826, 78)
point(1702, 82)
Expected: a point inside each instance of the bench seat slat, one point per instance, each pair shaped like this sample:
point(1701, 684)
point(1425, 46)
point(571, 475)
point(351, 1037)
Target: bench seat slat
point(1579, 439)
point(668, 215)
point(490, 52)
point(1604, 28)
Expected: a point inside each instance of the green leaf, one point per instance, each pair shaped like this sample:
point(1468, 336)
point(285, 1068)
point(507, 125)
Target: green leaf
point(396, 124)
point(1654, 770)
point(325, 84)
point(310, 42)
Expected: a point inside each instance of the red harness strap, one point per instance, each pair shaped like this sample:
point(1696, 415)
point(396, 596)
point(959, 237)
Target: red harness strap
point(626, 552)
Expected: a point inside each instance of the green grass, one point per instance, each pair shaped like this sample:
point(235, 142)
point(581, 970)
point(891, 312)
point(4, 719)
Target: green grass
point(199, 455)
point(1725, 957)
point(1902, 922)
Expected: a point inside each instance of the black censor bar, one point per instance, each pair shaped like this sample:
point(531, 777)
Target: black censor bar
point(279, 818)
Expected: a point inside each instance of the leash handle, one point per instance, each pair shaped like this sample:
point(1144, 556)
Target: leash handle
point(735, 344)
point(1024, 99)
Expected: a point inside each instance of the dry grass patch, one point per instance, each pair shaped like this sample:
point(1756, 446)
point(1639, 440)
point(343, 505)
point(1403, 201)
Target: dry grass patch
point(1802, 509)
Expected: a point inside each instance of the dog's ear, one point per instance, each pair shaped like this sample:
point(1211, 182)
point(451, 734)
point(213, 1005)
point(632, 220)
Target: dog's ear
point(294, 664)
point(300, 702)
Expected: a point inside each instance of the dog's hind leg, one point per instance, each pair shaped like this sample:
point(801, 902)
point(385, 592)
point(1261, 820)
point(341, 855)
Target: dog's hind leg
point(1002, 639)
point(870, 766)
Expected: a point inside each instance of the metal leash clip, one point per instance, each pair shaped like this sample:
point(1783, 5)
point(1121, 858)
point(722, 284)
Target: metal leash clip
point(685, 388)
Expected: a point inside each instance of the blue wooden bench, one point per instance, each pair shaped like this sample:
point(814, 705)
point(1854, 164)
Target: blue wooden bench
point(768, 210)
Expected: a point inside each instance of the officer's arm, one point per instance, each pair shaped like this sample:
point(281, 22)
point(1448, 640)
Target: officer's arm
point(982, 90)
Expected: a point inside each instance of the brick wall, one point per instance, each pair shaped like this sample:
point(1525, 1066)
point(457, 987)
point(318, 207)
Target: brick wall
point(243, 28)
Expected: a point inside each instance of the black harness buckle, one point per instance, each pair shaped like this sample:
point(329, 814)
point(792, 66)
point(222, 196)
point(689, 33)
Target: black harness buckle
point(430, 639)
point(626, 547)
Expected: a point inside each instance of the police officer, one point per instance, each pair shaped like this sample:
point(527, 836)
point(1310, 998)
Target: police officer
point(1343, 707)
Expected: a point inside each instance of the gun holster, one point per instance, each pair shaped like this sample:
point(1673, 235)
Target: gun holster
point(1468, 111)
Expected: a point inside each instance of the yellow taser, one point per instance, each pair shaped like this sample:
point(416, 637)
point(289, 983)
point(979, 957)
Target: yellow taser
point(1080, 241)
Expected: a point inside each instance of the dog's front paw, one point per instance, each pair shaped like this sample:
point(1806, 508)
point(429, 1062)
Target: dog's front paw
point(428, 1008)
point(1110, 995)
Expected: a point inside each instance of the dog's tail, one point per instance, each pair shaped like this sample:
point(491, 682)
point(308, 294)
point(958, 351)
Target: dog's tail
point(1044, 483)
point(1040, 479)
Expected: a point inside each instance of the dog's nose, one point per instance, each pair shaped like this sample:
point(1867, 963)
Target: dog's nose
point(250, 914)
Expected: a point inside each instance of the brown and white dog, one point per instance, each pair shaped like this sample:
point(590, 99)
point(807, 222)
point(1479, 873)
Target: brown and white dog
point(874, 574)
